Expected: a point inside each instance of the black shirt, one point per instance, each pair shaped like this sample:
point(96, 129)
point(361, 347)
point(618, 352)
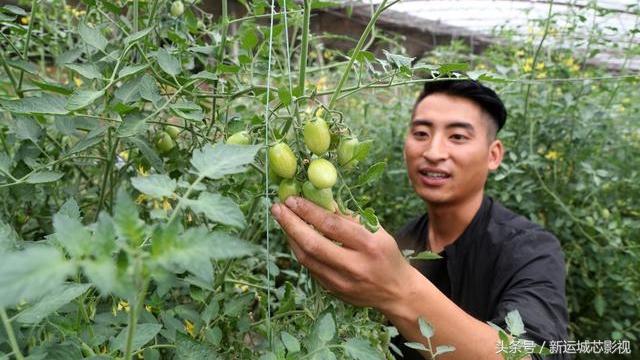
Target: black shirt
point(501, 262)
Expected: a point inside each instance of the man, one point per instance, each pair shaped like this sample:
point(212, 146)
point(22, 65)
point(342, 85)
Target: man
point(493, 261)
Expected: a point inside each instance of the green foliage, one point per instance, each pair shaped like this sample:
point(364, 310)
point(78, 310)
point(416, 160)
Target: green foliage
point(115, 244)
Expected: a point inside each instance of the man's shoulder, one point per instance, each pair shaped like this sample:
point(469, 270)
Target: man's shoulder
point(508, 228)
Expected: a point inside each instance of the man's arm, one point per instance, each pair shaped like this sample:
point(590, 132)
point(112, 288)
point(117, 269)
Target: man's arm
point(369, 270)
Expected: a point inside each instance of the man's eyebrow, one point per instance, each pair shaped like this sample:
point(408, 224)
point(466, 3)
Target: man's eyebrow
point(455, 124)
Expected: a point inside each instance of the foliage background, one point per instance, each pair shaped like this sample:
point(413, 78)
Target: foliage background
point(572, 165)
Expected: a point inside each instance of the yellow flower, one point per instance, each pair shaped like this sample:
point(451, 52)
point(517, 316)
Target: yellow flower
point(540, 66)
point(25, 20)
point(78, 81)
point(243, 288)
point(148, 308)
point(481, 67)
point(189, 328)
point(142, 171)
point(528, 65)
point(520, 53)
point(141, 198)
point(552, 155)
point(124, 155)
point(166, 205)
point(123, 305)
point(322, 83)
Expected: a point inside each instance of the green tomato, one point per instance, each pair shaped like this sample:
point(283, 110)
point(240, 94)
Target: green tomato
point(283, 160)
point(273, 177)
point(320, 197)
point(346, 150)
point(164, 142)
point(173, 131)
point(177, 8)
point(239, 138)
point(317, 136)
point(288, 187)
point(322, 173)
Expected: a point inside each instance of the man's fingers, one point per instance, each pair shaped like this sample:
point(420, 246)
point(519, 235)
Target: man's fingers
point(334, 226)
point(310, 244)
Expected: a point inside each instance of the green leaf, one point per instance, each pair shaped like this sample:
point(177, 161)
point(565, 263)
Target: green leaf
point(16, 10)
point(29, 274)
point(156, 186)
point(51, 302)
point(362, 150)
point(44, 177)
point(373, 173)
point(188, 110)
point(103, 273)
point(443, 349)
point(129, 91)
point(27, 128)
point(56, 88)
point(285, 96)
point(425, 255)
point(70, 208)
point(398, 61)
point(223, 159)
point(8, 238)
point(449, 68)
point(514, 323)
point(369, 219)
point(127, 222)
point(218, 208)
point(187, 349)
point(7, 18)
point(360, 349)
point(143, 334)
point(599, 304)
point(92, 37)
point(133, 124)
point(290, 342)
point(222, 246)
point(131, 70)
point(24, 66)
point(149, 89)
point(416, 346)
point(147, 152)
point(72, 235)
point(45, 104)
point(168, 63)
point(249, 39)
point(326, 328)
point(93, 138)
point(187, 252)
point(89, 71)
point(205, 75)
point(83, 98)
point(425, 328)
point(137, 35)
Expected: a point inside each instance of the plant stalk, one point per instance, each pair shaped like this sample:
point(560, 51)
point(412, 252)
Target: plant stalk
point(11, 335)
point(304, 47)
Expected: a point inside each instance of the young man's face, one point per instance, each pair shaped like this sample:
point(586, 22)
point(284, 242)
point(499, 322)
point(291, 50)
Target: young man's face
point(449, 150)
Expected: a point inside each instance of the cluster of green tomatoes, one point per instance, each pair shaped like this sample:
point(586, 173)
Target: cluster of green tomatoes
point(321, 173)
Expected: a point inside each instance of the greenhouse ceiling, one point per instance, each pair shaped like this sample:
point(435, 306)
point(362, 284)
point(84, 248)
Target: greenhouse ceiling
point(616, 20)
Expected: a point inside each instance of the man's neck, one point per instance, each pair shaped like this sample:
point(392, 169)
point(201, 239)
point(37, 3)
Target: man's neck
point(448, 221)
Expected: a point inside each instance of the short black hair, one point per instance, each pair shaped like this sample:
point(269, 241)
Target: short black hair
point(472, 90)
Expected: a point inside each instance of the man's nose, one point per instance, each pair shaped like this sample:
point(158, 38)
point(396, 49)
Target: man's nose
point(435, 150)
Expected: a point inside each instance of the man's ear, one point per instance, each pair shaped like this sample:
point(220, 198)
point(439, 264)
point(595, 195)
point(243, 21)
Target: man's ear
point(496, 153)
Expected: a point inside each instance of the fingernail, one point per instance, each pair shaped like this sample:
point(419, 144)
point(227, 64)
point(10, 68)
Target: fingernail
point(275, 210)
point(291, 202)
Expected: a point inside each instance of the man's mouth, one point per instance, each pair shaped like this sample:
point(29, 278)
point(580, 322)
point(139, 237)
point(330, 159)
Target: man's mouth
point(433, 177)
point(434, 174)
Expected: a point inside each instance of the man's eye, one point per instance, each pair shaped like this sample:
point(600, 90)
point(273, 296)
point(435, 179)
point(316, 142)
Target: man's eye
point(420, 134)
point(458, 137)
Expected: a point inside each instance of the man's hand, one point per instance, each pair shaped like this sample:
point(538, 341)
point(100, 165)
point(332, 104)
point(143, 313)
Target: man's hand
point(367, 270)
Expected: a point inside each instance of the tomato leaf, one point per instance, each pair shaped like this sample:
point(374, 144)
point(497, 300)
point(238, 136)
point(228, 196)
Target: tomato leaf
point(360, 349)
point(373, 173)
point(83, 98)
point(514, 323)
point(156, 185)
point(29, 274)
point(143, 334)
point(290, 342)
point(52, 302)
point(44, 177)
point(92, 37)
point(168, 63)
point(89, 71)
point(425, 328)
point(218, 208)
point(220, 159)
point(45, 104)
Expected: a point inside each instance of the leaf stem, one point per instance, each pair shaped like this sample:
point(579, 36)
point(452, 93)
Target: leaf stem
point(10, 334)
point(304, 47)
point(356, 51)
